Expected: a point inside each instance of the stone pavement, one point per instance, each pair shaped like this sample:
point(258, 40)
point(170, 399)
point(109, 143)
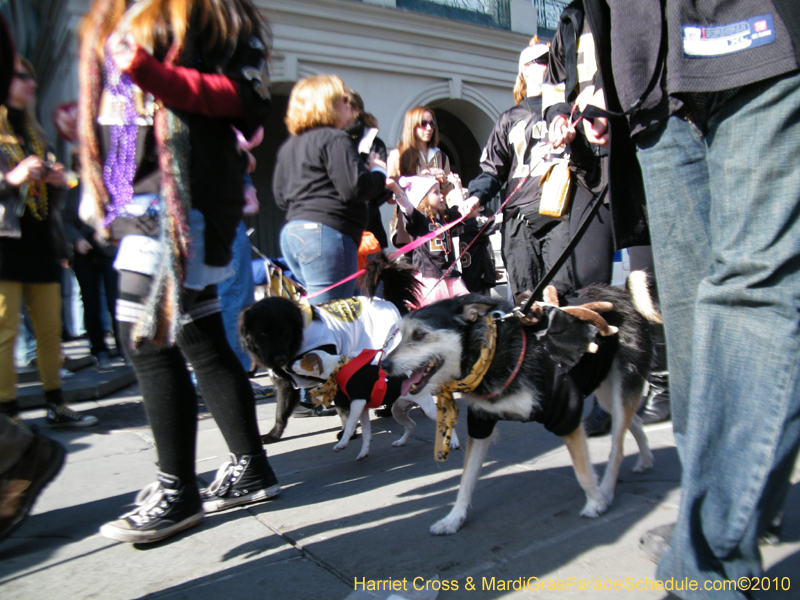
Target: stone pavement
point(339, 521)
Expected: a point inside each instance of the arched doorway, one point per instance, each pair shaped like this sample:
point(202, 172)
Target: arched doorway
point(459, 144)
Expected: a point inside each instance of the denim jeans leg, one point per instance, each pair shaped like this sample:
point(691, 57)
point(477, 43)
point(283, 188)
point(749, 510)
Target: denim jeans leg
point(237, 292)
point(673, 160)
point(743, 429)
point(110, 284)
point(88, 275)
point(320, 256)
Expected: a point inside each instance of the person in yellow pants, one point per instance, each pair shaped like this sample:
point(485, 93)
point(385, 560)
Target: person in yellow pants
point(30, 248)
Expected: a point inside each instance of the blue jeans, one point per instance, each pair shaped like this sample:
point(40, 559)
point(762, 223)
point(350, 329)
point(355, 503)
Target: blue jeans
point(97, 279)
point(723, 196)
point(237, 292)
point(320, 256)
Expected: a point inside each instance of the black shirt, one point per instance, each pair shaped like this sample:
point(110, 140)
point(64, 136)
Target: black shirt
point(319, 177)
point(433, 258)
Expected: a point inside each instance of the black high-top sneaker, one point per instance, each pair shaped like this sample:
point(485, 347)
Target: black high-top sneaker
point(163, 508)
point(245, 480)
point(61, 415)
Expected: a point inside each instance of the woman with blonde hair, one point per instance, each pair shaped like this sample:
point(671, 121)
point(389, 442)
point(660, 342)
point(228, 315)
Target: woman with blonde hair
point(163, 84)
point(32, 245)
point(324, 187)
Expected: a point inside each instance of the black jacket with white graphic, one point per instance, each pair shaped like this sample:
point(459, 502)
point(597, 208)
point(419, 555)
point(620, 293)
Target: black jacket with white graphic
point(516, 152)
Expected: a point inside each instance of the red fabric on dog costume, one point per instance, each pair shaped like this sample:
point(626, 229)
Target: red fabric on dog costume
point(378, 392)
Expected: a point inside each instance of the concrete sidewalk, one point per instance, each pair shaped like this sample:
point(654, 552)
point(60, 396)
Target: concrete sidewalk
point(339, 521)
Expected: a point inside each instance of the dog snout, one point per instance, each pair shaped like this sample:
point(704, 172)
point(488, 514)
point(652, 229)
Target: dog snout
point(388, 366)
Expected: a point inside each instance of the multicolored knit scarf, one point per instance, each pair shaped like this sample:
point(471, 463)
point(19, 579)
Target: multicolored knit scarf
point(160, 322)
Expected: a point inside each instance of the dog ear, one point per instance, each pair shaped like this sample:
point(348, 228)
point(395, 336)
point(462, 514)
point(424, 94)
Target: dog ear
point(565, 337)
point(474, 311)
point(309, 365)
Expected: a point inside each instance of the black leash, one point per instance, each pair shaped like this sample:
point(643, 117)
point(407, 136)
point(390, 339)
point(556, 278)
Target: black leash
point(548, 277)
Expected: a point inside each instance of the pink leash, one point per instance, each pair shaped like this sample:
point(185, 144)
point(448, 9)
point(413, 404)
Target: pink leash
point(399, 252)
point(425, 239)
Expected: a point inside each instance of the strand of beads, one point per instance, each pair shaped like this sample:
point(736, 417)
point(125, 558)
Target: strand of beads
point(120, 165)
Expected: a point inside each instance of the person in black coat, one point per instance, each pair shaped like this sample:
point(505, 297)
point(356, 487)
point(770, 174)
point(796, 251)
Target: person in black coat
point(367, 142)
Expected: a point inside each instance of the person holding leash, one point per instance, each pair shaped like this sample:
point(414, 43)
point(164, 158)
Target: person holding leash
point(513, 160)
point(324, 187)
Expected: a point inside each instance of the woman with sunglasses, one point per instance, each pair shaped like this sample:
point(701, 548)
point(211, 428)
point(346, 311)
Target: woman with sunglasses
point(32, 246)
point(417, 154)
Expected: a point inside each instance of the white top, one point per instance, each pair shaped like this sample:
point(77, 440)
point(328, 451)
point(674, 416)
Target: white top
point(350, 325)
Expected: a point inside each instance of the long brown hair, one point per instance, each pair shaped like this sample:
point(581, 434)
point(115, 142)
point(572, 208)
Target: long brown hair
point(163, 23)
point(407, 148)
point(7, 135)
point(159, 23)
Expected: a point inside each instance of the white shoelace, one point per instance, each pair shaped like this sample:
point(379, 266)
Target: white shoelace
point(150, 502)
point(228, 470)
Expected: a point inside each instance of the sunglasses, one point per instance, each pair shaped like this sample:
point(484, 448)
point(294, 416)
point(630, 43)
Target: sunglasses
point(542, 60)
point(24, 76)
point(424, 123)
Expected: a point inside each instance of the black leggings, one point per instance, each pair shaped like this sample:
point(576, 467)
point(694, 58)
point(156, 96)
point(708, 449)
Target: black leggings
point(169, 396)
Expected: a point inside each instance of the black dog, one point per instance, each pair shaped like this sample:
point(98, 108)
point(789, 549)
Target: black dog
point(540, 372)
point(277, 332)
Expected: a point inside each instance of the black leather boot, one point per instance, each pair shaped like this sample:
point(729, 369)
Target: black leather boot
point(597, 422)
point(655, 407)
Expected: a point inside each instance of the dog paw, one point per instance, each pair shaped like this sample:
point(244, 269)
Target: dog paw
point(594, 509)
point(448, 526)
point(339, 447)
point(270, 438)
point(398, 443)
point(645, 463)
point(362, 455)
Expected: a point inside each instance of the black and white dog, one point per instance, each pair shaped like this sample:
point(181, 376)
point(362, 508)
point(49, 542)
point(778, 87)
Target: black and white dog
point(540, 372)
point(302, 346)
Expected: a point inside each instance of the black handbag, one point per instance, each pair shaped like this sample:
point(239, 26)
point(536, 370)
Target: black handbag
point(57, 231)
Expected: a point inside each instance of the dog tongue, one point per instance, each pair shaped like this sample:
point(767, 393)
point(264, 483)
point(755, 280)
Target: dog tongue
point(414, 378)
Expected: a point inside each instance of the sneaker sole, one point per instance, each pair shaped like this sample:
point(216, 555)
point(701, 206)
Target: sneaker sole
point(212, 506)
point(148, 537)
point(71, 424)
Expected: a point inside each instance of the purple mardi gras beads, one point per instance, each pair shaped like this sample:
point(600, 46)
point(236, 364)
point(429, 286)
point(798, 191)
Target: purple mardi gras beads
point(120, 165)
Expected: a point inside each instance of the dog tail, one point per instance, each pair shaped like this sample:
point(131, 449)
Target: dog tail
point(391, 280)
point(637, 286)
